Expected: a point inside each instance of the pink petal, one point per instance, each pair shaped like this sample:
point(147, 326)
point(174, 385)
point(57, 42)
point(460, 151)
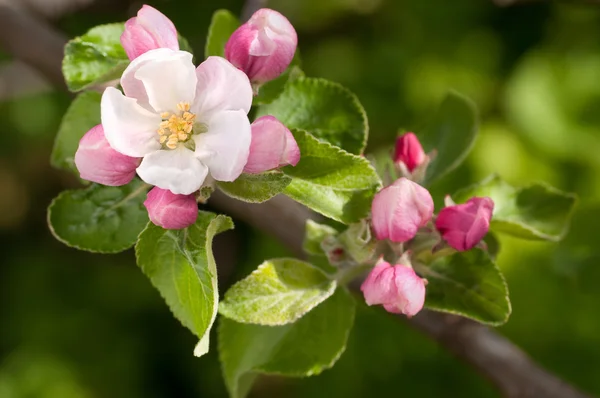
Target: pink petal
point(409, 151)
point(263, 47)
point(272, 146)
point(226, 145)
point(169, 210)
point(148, 31)
point(400, 209)
point(464, 225)
point(398, 288)
point(96, 161)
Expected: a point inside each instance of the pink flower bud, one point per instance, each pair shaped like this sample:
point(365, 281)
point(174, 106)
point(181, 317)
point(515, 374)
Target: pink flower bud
point(96, 161)
point(272, 146)
point(150, 30)
point(400, 209)
point(397, 288)
point(409, 151)
point(464, 225)
point(169, 210)
point(263, 47)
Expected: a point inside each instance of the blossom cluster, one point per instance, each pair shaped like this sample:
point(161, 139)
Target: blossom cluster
point(404, 210)
point(181, 127)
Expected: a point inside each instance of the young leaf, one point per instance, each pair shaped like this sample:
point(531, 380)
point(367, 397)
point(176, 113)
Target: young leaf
point(331, 181)
point(314, 235)
point(467, 284)
point(94, 58)
point(326, 109)
point(537, 212)
point(256, 188)
point(180, 264)
point(99, 219)
point(304, 348)
point(82, 115)
point(278, 292)
point(451, 134)
point(222, 25)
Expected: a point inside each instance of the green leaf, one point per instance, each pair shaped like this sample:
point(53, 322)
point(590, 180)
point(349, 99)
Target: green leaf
point(94, 58)
point(451, 134)
point(467, 284)
point(278, 292)
point(331, 181)
point(305, 348)
point(256, 188)
point(184, 44)
point(180, 264)
point(537, 212)
point(314, 235)
point(82, 115)
point(326, 109)
point(222, 25)
point(99, 219)
point(269, 91)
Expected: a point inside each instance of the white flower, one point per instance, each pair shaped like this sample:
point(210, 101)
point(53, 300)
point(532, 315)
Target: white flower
point(183, 121)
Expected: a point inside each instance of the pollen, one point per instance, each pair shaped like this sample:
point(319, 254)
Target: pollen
point(176, 127)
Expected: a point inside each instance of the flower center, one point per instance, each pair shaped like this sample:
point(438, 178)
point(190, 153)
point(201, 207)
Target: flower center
point(176, 127)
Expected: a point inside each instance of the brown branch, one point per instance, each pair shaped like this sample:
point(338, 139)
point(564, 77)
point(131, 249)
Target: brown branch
point(502, 362)
point(512, 371)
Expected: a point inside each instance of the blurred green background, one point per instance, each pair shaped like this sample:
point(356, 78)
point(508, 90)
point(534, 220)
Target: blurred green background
point(74, 324)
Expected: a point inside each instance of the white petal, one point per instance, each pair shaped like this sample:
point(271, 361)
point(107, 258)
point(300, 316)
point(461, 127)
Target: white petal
point(134, 88)
point(129, 128)
point(221, 86)
point(225, 147)
point(177, 170)
point(168, 79)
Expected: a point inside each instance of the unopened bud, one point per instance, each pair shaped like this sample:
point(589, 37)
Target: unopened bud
point(263, 47)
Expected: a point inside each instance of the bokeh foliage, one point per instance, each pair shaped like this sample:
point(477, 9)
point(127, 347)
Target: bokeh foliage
point(81, 325)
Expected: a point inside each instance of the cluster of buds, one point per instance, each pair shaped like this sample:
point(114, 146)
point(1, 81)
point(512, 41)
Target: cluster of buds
point(262, 48)
point(404, 209)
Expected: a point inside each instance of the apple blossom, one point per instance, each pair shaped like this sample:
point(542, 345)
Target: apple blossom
point(409, 151)
point(263, 47)
point(149, 30)
point(184, 122)
point(96, 161)
point(400, 209)
point(398, 288)
point(272, 146)
point(169, 210)
point(463, 226)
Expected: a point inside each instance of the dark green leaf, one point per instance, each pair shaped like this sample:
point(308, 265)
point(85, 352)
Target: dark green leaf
point(82, 115)
point(305, 348)
point(222, 25)
point(451, 134)
point(278, 292)
point(94, 58)
point(331, 181)
point(99, 218)
point(181, 266)
point(467, 284)
point(328, 110)
point(256, 188)
point(537, 212)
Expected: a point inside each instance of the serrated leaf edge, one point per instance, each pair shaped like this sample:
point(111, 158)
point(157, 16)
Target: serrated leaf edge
point(327, 293)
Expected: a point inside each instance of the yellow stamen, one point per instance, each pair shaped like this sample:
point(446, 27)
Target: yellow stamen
point(176, 127)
